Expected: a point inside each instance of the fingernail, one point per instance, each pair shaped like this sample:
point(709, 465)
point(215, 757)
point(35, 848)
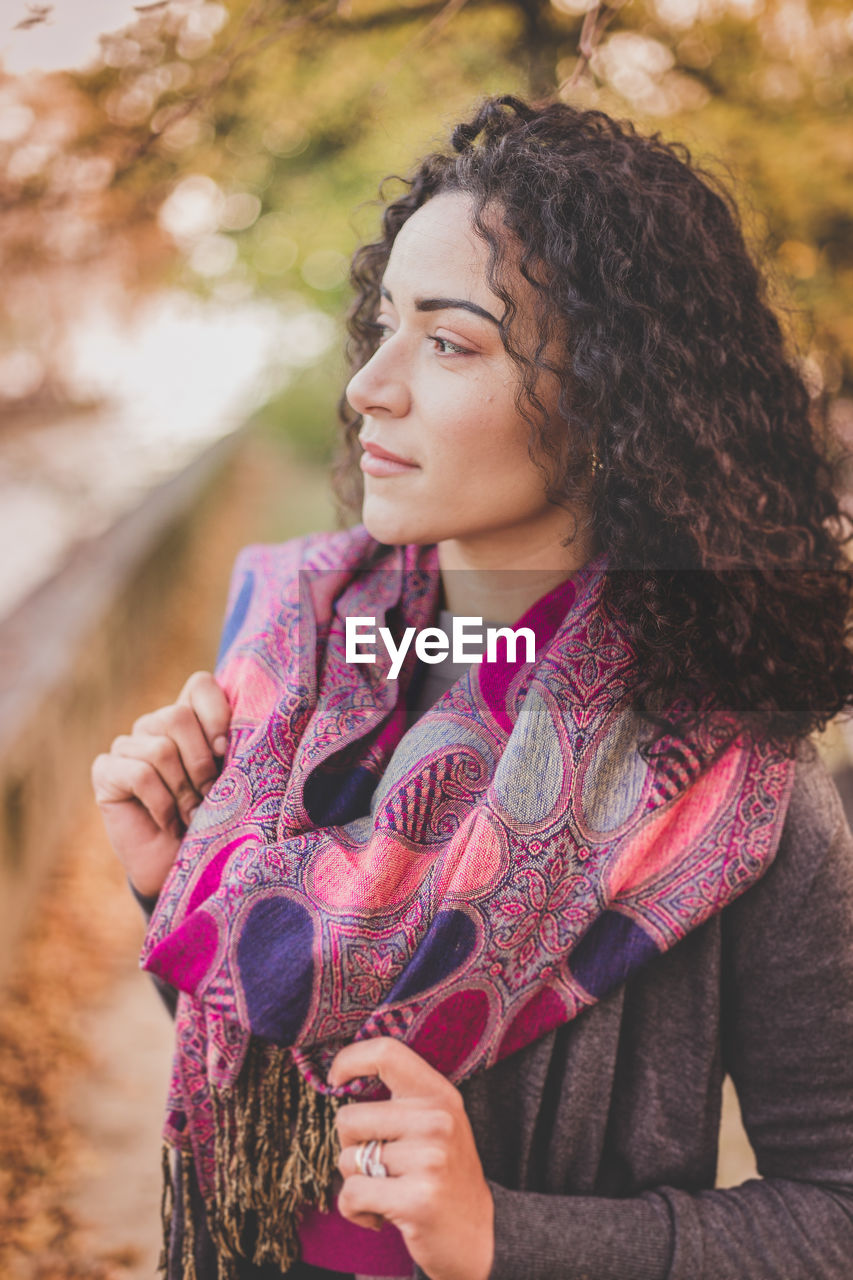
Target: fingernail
point(205, 787)
point(220, 744)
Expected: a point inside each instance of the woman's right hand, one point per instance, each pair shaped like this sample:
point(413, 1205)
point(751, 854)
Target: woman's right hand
point(153, 779)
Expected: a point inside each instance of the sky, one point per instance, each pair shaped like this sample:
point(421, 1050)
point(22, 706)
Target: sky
point(68, 39)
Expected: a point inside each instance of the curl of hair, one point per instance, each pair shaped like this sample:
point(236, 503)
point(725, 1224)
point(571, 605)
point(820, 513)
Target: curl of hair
point(715, 497)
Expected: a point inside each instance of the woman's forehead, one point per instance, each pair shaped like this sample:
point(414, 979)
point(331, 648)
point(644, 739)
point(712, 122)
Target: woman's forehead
point(438, 248)
point(439, 253)
point(438, 239)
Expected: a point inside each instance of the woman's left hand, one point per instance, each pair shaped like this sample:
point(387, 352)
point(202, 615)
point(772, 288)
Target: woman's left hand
point(436, 1193)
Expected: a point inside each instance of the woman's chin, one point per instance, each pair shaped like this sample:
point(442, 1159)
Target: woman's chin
point(395, 528)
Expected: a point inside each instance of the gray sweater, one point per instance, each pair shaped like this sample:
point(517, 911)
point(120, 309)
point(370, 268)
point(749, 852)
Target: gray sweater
point(599, 1140)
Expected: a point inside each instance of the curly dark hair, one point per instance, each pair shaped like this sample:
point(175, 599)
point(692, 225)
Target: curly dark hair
point(716, 491)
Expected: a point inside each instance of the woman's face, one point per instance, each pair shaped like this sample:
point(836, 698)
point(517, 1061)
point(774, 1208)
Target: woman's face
point(439, 395)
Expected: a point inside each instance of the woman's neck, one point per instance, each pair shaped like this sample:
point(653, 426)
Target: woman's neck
point(501, 587)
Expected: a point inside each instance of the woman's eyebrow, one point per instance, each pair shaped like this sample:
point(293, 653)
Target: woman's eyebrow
point(445, 304)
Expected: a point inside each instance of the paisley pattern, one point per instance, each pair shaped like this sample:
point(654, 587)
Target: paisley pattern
point(465, 885)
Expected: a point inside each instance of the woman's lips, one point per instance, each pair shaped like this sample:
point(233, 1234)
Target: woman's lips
point(379, 462)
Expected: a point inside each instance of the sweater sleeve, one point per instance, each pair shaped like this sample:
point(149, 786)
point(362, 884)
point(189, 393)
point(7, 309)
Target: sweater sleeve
point(167, 993)
point(788, 1045)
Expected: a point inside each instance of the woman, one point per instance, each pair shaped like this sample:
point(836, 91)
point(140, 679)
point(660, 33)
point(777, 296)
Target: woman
point(528, 912)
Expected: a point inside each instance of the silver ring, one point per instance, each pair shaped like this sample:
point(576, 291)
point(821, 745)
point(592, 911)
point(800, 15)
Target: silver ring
point(368, 1159)
point(373, 1161)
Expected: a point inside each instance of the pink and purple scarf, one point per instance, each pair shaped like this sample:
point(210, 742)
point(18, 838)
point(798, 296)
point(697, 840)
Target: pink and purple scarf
point(517, 860)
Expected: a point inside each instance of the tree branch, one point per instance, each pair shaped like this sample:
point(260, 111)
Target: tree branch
point(432, 29)
point(594, 24)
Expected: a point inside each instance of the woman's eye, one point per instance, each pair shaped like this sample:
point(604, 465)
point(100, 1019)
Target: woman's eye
point(381, 330)
point(449, 348)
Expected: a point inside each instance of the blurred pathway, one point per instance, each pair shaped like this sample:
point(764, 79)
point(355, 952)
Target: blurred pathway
point(119, 1105)
point(85, 1042)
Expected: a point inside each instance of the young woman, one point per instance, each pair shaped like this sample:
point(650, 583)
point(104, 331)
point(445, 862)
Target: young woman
point(522, 915)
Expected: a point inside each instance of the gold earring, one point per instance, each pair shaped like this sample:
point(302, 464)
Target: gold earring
point(595, 461)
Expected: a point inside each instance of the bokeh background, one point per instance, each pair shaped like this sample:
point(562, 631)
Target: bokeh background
point(181, 186)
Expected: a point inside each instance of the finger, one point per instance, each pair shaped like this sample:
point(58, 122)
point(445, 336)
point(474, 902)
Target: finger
point(211, 706)
point(393, 1120)
point(394, 1063)
point(399, 1158)
point(370, 1220)
point(180, 723)
point(386, 1197)
point(119, 779)
point(161, 752)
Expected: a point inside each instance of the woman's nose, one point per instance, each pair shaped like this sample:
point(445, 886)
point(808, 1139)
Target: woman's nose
point(379, 388)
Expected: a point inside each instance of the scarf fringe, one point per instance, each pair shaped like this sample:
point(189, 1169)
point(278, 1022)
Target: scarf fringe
point(276, 1149)
point(167, 1212)
point(188, 1271)
point(167, 1206)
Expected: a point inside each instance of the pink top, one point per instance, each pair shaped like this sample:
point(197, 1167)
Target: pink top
point(329, 1240)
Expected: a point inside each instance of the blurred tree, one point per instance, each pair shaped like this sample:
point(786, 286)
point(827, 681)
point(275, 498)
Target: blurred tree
point(226, 148)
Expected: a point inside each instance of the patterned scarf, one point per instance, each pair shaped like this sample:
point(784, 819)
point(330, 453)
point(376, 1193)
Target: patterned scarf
point(517, 861)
